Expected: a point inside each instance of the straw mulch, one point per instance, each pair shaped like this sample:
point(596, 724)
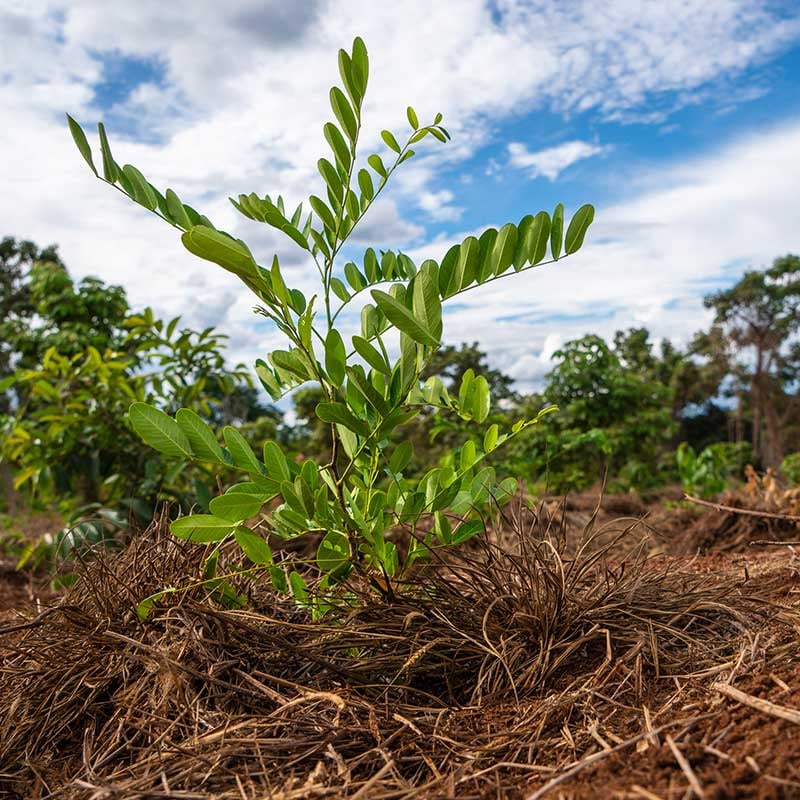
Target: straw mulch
point(520, 672)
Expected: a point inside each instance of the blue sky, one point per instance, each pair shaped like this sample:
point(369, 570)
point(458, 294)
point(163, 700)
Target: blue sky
point(680, 121)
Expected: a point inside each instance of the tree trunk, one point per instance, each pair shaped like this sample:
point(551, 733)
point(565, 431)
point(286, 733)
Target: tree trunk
point(7, 482)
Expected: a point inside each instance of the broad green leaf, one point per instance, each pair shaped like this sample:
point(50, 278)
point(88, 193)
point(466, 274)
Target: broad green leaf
point(321, 209)
point(413, 120)
point(391, 142)
point(177, 212)
point(504, 247)
point(403, 319)
point(376, 163)
point(298, 587)
point(255, 547)
point(360, 64)
point(482, 399)
point(201, 528)
point(241, 452)
point(401, 457)
point(344, 113)
point(81, 142)
point(275, 462)
point(340, 290)
point(468, 455)
point(203, 442)
point(557, 231)
point(490, 438)
point(331, 177)
point(538, 236)
point(578, 226)
point(144, 607)
point(160, 431)
point(354, 276)
point(142, 191)
point(338, 145)
point(427, 304)
point(339, 414)
point(466, 530)
point(371, 355)
point(333, 552)
point(365, 184)
point(346, 72)
point(110, 170)
point(236, 506)
point(221, 249)
point(335, 357)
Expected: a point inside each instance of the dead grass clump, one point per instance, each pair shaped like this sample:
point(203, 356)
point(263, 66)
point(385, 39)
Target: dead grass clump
point(495, 665)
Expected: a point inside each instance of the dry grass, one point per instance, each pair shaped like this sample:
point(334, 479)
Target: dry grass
point(503, 672)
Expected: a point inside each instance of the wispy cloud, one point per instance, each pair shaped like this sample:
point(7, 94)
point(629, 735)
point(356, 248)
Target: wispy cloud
point(552, 161)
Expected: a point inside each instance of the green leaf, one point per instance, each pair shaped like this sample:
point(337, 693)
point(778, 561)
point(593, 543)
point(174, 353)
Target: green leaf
point(335, 357)
point(81, 142)
point(391, 142)
point(354, 276)
point(403, 319)
point(110, 170)
point(321, 209)
point(331, 177)
point(339, 414)
point(203, 442)
point(298, 587)
point(160, 431)
point(177, 212)
point(275, 462)
point(365, 184)
point(142, 191)
point(413, 120)
point(376, 163)
point(144, 607)
point(220, 248)
point(241, 452)
point(360, 61)
point(466, 530)
point(490, 438)
point(578, 226)
point(346, 72)
point(482, 399)
point(255, 547)
point(295, 235)
point(557, 231)
point(236, 507)
point(344, 113)
point(401, 457)
point(538, 236)
point(371, 355)
point(504, 247)
point(338, 145)
point(340, 290)
point(333, 552)
point(201, 528)
point(427, 304)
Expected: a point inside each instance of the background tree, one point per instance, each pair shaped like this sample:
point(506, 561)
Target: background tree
point(755, 321)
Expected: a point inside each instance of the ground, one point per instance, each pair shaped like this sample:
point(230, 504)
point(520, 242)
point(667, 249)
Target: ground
point(622, 649)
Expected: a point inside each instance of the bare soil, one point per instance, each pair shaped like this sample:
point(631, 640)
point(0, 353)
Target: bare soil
point(615, 650)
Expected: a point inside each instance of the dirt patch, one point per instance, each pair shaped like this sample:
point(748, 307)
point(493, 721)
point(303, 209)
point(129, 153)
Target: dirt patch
point(525, 672)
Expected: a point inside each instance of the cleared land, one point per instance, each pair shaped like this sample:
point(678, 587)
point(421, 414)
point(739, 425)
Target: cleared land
point(581, 652)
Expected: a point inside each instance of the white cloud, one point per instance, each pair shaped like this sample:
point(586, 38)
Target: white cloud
point(244, 94)
point(551, 161)
point(438, 205)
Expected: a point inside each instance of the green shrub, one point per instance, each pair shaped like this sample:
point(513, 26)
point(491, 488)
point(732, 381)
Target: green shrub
point(708, 472)
point(790, 467)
